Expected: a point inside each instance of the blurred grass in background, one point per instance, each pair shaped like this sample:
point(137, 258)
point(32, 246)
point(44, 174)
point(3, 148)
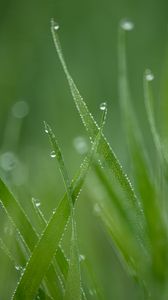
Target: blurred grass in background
point(31, 73)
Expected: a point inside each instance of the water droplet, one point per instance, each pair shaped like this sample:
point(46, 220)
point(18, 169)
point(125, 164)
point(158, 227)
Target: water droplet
point(20, 109)
point(36, 202)
point(8, 161)
point(149, 75)
point(80, 144)
point(103, 106)
point(82, 257)
point(54, 25)
point(46, 128)
point(19, 268)
point(53, 154)
point(127, 25)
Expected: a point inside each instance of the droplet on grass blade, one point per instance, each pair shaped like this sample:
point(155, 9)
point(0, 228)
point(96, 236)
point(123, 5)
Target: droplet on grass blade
point(149, 75)
point(46, 130)
point(81, 257)
point(36, 202)
point(19, 268)
point(126, 25)
point(103, 106)
point(53, 154)
point(54, 25)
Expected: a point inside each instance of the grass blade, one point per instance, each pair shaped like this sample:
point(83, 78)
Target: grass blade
point(48, 243)
point(73, 284)
point(24, 228)
point(144, 179)
point(148, 96)
point(104, 149)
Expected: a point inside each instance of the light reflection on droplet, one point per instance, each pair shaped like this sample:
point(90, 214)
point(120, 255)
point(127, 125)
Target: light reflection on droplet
point(36, 202)
point(53, 154)
point(103, 106)
point(149, 75)
point(127, 24)
point(81, 257)
point(54, 25)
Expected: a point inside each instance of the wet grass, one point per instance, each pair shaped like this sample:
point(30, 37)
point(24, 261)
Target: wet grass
point(133, 215)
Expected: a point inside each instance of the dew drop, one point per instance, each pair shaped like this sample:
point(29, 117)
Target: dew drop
point(46, 128)
point(103, 106)
point(17, 268)
point(127, 25)
point(20, 109)
point(54, 25)
point(53, 154)
point(81, 257)
point(8, 161)
point(149, 75)
point(36, 202)
point(80, 144)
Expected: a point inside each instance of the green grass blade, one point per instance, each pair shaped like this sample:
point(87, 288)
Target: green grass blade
point(104, 149)
point(23, 226)
point(73, 284)
point(148, 96)
point(145, 181)
point(48, 243)
point(15, 264)
point(17, 216)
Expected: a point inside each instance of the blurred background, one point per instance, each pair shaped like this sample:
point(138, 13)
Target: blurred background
point(33, 88)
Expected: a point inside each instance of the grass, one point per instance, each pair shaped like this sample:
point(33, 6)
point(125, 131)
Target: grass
point(133, 215)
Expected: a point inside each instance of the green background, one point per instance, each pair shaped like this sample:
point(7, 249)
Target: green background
point(30, 71)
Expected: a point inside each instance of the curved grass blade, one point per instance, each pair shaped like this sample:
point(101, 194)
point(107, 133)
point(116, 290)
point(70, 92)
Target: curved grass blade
point(148, 77)
point(73, 284)
point(104, 149)
point(49, 240)
point(15, 265)
point(17, 216)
